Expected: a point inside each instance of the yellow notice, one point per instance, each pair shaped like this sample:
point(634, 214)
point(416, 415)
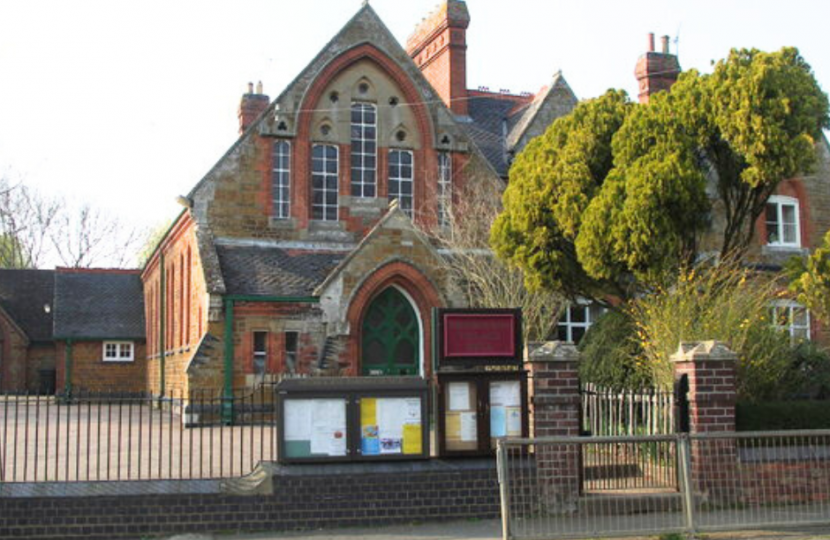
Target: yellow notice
point(412, 439)
point(453, 425)
point(368, 412)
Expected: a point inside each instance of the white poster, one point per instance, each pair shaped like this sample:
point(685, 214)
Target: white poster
point(505, 393)
point(391, 414)
point(459, 396)
point(297, 419)
point(514, 422)
point(469, 427)
point(328, 427)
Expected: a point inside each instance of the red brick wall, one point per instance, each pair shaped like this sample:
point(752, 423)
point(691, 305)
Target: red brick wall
point(90, 372)
point(785, 482)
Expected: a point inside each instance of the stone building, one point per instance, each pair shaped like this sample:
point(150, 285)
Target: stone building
point(301, 251)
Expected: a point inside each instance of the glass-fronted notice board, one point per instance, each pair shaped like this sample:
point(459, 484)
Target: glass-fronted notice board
point(352, 419)
point(478, 408)
point(315, 428)
point(390, 426)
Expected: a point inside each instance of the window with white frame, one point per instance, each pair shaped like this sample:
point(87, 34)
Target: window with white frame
point(444, 187)
point(793, 318)
point(280, 179)
point(119, 351)
point(783, 222)
point(364, 149)
point(400, 179)
point(260, 360)
point(324, 169)
point(575, 321)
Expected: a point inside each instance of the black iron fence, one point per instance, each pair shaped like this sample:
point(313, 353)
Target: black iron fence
point(108, 437)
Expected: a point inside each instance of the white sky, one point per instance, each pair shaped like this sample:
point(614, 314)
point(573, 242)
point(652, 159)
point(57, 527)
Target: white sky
point(126, 104)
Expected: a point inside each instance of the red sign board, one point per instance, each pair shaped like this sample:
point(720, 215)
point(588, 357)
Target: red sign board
point(480, 335)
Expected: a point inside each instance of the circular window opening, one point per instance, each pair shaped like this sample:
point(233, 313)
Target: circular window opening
point(393, 101)
point(363, 88)
point(334, 97)
point(401, 136)
point(325, 129)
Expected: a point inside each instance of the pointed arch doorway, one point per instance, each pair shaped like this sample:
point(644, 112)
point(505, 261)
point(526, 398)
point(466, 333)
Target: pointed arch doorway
point(391, 335)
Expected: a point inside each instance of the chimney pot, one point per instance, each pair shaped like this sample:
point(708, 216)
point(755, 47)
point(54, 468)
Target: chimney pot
point(665, 40)
point(651, 42)
point(250, 88)
point(259, 87)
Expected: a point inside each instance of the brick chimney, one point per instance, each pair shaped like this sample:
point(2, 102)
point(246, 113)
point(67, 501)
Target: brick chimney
point(656, 71)
point(251, 106)
point(439, 47)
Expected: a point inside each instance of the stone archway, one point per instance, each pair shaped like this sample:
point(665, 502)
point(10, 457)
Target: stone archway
point(419, 293)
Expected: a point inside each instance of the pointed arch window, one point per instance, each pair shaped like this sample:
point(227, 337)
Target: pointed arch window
point(444, 187)
point(324, 170)
point(364, 149)
point(280, 179)
point(400, 179)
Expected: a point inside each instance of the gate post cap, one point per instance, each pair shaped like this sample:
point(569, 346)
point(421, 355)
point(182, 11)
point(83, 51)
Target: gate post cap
point(551, 351)
point(695, 351)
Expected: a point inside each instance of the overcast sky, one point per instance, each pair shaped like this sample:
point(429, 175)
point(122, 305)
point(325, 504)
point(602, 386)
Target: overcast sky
point(126, 104)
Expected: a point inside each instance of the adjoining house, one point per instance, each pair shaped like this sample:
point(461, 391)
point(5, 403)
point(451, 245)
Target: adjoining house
point(301, 250)
point(72, 329)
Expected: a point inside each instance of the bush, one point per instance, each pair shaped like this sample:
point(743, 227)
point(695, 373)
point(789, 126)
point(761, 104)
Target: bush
point(611, 355)
point(782, 415)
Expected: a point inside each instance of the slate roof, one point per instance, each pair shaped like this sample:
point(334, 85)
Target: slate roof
point(98, 305)
point(487, 128)
point(273, 271)
point(23, 295)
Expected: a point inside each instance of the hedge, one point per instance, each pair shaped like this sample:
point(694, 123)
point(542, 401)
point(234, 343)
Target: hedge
point(783, 415)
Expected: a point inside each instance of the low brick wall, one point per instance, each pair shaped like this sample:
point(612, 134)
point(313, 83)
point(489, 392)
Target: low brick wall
point(303, 497)
point(786, 475)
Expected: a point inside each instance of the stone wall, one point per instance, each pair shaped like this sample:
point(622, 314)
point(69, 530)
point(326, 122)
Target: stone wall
point(90, 371)
point(13, 353)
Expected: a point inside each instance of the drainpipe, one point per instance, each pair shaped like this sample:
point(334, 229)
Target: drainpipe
point(162, 326)
point(227, 392)
point(67, 369)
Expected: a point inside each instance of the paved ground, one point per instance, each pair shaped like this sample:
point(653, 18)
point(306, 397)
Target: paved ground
point(479, 530)
point(44, 441)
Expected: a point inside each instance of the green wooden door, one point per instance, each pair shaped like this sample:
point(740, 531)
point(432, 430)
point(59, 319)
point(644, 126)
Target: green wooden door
point(390, 336)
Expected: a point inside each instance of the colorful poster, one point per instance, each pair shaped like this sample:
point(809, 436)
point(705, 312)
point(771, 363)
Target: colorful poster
point(469, 427)
point(412, 439)
point(369, 436)
point(514, 421)
point(459, 396)
point(498, 422)
point(453, 425)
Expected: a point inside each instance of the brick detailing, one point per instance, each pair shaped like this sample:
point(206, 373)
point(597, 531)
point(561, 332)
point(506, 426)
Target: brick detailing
point(656, 71)
point(710, 369)
point(300, 502)
point(555, 409)
point(416, 285)
point(439, 48)
point(301, 151)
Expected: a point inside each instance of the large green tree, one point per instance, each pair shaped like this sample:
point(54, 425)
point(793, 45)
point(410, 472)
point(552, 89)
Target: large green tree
point(616, 196)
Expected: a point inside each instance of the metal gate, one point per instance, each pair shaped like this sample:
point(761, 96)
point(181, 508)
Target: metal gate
point(725, 481)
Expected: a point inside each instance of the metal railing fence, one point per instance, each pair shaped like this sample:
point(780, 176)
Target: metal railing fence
point(107, 437)
point(725, 481)
point(610, 413)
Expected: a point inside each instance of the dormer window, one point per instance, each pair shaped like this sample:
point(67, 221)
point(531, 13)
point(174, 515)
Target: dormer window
point(280, 180)
point(364, 149)
point(783, 222)
point(400, 179)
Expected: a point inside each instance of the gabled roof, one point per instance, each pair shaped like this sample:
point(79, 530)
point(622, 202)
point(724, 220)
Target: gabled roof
point(502, 124)
point(98, 304)
point(262, 270)
point(24, 295)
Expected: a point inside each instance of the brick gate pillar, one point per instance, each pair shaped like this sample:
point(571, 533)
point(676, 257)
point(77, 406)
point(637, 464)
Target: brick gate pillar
point(555, 408)
point(709, 367)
